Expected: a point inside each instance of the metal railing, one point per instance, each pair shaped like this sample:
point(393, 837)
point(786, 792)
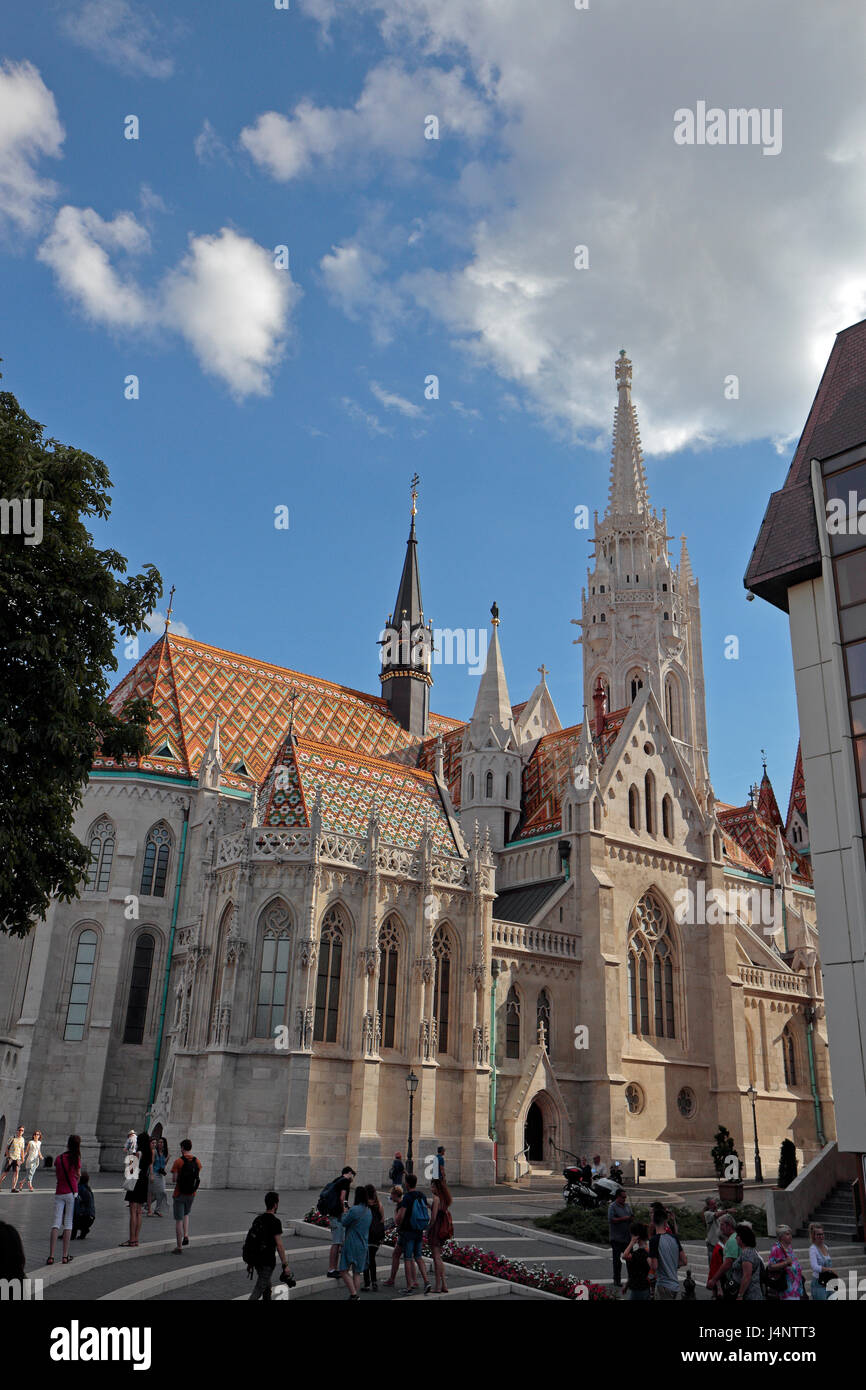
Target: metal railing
point(516, 1161)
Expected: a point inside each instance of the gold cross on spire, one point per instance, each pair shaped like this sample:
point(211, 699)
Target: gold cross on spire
point(414, 486)
point(170, 609)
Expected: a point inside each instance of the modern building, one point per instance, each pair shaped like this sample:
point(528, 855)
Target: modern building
point(810, 561)
point(305, 894)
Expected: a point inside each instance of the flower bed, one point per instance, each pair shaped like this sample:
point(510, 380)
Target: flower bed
point(487, 1262)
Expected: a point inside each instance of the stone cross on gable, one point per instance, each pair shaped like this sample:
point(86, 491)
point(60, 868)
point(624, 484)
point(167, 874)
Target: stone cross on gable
point(542, 670)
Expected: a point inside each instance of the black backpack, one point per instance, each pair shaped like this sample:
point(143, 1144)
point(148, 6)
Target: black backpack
point(329, 1203)
point(258, 1246)
point(188, 1176)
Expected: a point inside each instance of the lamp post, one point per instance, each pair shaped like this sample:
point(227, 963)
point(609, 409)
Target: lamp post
point(753, 1096)
point(411, 1087)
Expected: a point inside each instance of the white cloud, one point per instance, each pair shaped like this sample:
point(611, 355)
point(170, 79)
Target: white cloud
point(364, 417)
point(232, 306)
point(391, 401)
point(29, 129)
point(125, 37)
point(225, 298)
point(155, 622)
point(467, 411)
point(387, 120)
point(704, 262)
point(209, 146)
point(353, 279)
point(78, 251)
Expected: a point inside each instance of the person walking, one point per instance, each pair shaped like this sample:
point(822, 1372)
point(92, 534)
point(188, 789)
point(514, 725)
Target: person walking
point(84, 1210)
point(784, 1260)
point(136, 1196)
point(374, 1238)
point(440, 1163)
point(413, 1219)
point(263, 1243)
point(619, 1219)
point(720, 1268)
point(396, 1171)
point(156, 1192)
point(356, 1222)
point(821, 1263)
point(711, 1219)
point(32, 1160)
point(637, 1261)
point(185, 1171)
point(14, 1156)
point(746, 1271)
point(666, 1257)
point(67, 1167)
point(441, 1229)
point(395, 1197)
point(335, 1197)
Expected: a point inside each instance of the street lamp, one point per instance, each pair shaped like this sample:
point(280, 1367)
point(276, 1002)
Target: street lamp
point(411, 1087)
point(753, 1096)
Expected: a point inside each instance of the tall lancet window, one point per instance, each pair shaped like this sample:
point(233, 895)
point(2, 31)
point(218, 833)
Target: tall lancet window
point(154, 871)
point(442, 995)
point(673, 711)
point(651, 961)
point(328, 977)
point(389, 962)
point(512, 1024)
point(542, 1017)
point(101, 845)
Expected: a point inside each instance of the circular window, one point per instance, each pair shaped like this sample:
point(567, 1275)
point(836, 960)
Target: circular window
point(648, 748)
point(634, 1099)
point(687, 1103)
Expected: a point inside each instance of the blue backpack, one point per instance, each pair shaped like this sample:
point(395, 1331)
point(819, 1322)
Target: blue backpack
point(419, 1216)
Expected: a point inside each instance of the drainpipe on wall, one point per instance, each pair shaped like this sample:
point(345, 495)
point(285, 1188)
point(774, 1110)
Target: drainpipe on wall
point(816, 1099)
point(161, 1028)
point(494, 976)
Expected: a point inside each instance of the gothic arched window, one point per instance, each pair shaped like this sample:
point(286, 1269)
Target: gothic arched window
point(750, 1054)
point(79, 991)
point(673, 717)
point(512, 1023)
point(472, 786)
point(649, 783)
point(508, 786)
point(789, 1056)
point(651, 958)
point(328, 976)
point(276, 937)
point(596, 815)
point(139, 989)
point(489, 785)
point(442, 988)
point(542, 1016)
point(389, 963)
point(635, 683)
point(157, 848)
point(633, 808)
point(667, 817)
point(101, 845)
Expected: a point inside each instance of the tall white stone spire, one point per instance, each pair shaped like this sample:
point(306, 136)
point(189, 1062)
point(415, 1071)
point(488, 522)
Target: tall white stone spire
point(492, 704)
point(628, 496)
point(491, 761)
point(640, 623)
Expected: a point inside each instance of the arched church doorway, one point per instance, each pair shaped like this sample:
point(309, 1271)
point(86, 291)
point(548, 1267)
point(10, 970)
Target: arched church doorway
point(533, 1133)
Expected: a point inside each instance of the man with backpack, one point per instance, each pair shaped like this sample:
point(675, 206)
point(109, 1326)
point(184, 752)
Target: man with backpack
point(333, 1201)
point(261, 1247)
point(413, 1219)
point(185, 1171)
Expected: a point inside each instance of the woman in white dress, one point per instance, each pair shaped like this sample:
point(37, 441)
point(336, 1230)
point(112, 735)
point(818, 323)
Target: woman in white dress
point(32, 1160)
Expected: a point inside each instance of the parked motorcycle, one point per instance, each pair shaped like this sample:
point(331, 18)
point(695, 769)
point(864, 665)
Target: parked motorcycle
point(578, 1193)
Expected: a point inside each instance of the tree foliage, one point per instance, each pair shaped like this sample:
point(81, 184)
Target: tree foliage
point(62, 604)
point(787, 1163)
point(723, 1147)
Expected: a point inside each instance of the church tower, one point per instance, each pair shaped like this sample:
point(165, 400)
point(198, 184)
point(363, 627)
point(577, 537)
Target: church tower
point(641, 621)
point(407, 645)
point(491, 761)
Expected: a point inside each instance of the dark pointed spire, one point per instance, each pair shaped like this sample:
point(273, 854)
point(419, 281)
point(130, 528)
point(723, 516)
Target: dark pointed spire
point(407, 644)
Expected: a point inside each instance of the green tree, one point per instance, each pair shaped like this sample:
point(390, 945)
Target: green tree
point(61, 606)
point(787, 1163)
point(723, 1147)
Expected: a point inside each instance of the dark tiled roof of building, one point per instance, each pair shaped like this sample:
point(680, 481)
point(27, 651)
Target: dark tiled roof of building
point(787, 549)
point(522, 904)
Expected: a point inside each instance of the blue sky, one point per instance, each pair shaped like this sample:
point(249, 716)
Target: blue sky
point(409, 257)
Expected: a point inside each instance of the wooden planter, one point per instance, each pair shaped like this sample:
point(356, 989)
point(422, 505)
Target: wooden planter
point(731, 1192)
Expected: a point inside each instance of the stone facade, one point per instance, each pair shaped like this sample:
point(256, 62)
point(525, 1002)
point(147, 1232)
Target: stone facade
point(543, 923)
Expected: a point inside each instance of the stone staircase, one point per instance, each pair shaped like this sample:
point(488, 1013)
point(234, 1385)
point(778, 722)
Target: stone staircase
point(836, 1215)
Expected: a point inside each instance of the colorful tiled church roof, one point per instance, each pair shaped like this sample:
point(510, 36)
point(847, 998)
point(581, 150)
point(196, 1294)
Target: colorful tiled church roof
point(549, 769)
point(190, 684)
point(797, 799)
point(751, 830)
point(351, 789)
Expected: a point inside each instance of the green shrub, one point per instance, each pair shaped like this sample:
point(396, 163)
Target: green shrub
point(592, 1227)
